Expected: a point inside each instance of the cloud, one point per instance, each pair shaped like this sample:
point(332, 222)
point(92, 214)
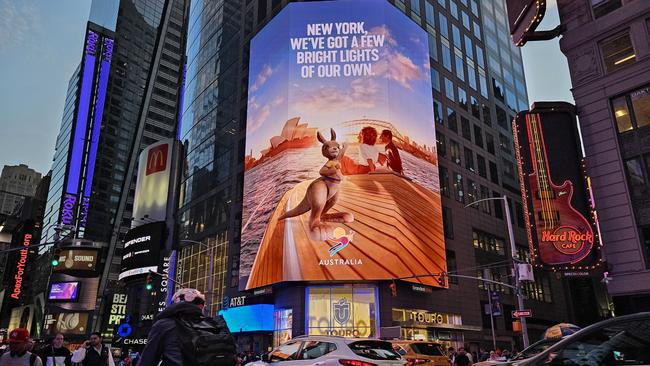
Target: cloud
point(397, 67)
point(258, 114)
point(18, 19)
point(262, 77)
point(362, 93)
point(383, 30)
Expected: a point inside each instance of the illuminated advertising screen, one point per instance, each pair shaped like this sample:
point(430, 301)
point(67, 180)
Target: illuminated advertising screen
point(141, 252)
point(21, 317)
point(65, 295)
point(152, 185)
point(344, 311)
point(249, 318)
point(64, 291)
point(66, 323)
point(561, 221)
point(77, 260)
point(341, 173)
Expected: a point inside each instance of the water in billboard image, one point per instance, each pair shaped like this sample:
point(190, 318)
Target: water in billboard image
point(64, 291)
point(341, 176)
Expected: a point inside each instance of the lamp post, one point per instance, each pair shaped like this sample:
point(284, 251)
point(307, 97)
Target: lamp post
point(210, 269)
point(513, 252)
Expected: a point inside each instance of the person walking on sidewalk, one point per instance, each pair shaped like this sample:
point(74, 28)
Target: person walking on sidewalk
point(18, 354)
point(56, 354)
point(93, 352)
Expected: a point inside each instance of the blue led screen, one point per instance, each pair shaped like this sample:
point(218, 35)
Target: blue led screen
point(250, 318)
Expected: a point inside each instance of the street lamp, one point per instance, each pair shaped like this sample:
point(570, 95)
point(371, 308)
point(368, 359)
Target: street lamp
point(513, 252)
point(210, 269)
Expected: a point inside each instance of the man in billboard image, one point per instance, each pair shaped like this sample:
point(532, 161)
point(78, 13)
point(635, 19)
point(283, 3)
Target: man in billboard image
point(365, 203)
point(19, 354)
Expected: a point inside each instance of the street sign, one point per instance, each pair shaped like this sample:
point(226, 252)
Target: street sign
point(526, 313)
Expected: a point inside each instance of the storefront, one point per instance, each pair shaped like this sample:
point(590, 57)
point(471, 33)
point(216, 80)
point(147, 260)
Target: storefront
point(425, 325)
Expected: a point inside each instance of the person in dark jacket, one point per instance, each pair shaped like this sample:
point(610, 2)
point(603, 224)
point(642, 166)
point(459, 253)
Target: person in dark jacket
point(163, 343)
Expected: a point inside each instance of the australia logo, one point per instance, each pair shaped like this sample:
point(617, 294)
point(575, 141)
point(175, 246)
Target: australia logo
point(342, 311)
point(340, 240)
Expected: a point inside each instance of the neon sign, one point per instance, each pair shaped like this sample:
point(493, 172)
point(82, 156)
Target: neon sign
point(555, 192)
point(20, 267)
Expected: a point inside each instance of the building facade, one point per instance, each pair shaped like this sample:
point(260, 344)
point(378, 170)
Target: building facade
point(606, 44)
point(123, 97)
point(477, 85)
point(16, 183)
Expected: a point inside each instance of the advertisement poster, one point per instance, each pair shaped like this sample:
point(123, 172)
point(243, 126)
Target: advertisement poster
point(341, 171)
point(21, 317)
point(561, 221)
point(141, 252)
point(66, 323)
point(77, 260)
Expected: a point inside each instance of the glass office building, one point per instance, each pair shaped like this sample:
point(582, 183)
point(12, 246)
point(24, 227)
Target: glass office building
point(477, 86)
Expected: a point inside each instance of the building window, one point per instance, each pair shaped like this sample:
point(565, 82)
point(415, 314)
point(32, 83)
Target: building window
point(465, 128)
point(446, 55)
point(489, 142)
point(452, 265)
point(444, 181)
point(519, 212)
point(478, 136)
point(494, 173)
point(476, 109)
point(644, 233)
point(452, 119)
point(433, 46)
point(444, 30)
point(603, 7)
point(459, 188)
point(435, 79)
point(428, 9)
point(460, 68)
point(488, 242)
point(485, 205)
point(437, 111)
point(454, 148)
point(480, 163)
point(502, 118)
point(462, 98)
point(635, 177)
point(447, 222)
point(505, 144)
point(618, 52)
point(283, 325)
point(441, 144)
point(497, 88)
point(362, 320)
point(472, 193)
point(449, 89)
point(469, 160)
point(632, 111)
point(498, 206)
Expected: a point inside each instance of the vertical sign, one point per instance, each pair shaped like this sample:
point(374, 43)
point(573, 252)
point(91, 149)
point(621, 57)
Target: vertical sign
point(152, 185)
point(559, 214)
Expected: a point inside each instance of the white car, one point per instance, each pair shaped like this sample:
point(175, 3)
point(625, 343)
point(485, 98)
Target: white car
point(330, 351)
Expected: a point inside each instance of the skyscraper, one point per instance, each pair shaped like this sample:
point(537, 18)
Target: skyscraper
point(123, 97)
point(477, 86)
point(606, 44)
point(16, 183)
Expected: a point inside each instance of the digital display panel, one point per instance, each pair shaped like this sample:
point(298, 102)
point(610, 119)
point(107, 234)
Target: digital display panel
point(559, 209)
point(141, 252)
point(341, 173)
point(64, 291)
point(74, 259)
point(250, 318)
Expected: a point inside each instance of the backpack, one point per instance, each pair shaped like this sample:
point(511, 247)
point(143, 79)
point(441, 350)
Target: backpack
point(206, 341)
point(32, 359)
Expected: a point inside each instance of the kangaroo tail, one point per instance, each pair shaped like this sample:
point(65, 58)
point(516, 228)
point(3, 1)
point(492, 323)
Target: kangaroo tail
point(302, 207)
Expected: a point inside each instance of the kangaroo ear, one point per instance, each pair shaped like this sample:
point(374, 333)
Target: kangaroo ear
point(321, 138)
point(333, 134)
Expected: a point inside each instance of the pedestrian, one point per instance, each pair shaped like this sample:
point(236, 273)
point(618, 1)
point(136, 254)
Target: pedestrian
point(482, 355)
point(126, 361)
point(19, 354)
point(93, 352)
point(56, 354)
point(181, 328)
point(461, 358)
point(493, 356)
point(452, 354)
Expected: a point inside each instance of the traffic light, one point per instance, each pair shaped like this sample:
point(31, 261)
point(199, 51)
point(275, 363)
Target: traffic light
point(393, 289)
point(441, 280)
point(149, 283)
point(56, 257)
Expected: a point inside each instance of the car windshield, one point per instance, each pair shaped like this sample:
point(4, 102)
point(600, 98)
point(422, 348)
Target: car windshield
point(375, 350)
point(536, 348)
point(428, 349)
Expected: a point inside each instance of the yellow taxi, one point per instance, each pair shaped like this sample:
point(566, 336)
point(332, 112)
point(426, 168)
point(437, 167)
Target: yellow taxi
point(421, 353)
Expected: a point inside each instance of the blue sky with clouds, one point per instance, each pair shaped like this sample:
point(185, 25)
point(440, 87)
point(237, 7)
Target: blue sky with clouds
point(41, 44)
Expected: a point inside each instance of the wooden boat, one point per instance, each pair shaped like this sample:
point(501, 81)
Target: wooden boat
point(397, 232)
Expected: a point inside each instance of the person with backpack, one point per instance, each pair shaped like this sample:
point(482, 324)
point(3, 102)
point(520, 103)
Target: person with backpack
point(181, 335)
point(18, 354)
point(56, 354)
point(93, 352)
